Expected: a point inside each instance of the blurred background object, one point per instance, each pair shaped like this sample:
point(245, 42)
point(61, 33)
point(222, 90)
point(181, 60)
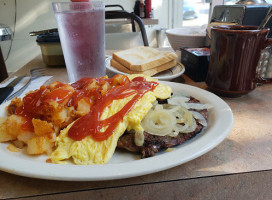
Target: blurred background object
point(124, 40)
point(5, 35)
point(5, 32)
point(3, 69)
point(189, 10)
point(265, 63)
point(25, 16)
point(252, 2)
point(187, 37)
point(161, 37)
point(51, 49)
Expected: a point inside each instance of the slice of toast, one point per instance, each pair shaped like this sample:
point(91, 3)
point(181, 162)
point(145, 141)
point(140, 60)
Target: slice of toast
point(149, 72)
point(143, 58)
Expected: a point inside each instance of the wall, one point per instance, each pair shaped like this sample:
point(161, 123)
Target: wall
point(33, 15)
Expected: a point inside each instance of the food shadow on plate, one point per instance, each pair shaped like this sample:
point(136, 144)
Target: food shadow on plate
point(122, 155)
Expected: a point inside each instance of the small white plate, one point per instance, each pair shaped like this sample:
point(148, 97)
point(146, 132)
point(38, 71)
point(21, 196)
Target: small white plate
point(126, 164)
point(166, 75)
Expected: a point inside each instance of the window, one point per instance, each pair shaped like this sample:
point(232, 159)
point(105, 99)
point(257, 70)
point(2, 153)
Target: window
point(195, 12)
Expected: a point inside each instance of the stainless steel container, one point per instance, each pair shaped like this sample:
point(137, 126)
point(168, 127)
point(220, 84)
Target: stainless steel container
point(5, 34)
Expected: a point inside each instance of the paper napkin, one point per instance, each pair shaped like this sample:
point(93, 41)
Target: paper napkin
point(34, 84)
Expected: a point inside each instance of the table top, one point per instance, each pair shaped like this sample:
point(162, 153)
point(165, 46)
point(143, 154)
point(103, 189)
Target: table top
point(241, 166)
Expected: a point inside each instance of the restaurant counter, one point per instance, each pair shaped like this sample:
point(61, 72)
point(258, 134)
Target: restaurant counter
point(238, 168)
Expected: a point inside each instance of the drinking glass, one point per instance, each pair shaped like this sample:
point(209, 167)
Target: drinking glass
point(81, 27)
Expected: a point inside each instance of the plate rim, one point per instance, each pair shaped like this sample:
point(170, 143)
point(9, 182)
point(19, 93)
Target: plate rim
point(161, 78)
point(133, 168)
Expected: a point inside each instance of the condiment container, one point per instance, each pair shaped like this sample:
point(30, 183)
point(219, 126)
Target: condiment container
point(51, 49)
point(196, 62)
point(148, 8)
point(142, 9)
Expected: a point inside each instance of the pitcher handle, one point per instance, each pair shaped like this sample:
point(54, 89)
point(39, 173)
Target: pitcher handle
point(267, 43)
point(259, 78)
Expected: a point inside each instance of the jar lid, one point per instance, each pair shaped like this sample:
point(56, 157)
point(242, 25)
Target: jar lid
point(48, 38)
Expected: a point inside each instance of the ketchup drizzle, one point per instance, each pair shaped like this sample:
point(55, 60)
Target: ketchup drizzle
point(35, 103)
point(90, 124)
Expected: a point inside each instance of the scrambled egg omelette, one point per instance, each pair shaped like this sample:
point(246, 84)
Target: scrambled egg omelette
point(89, 151)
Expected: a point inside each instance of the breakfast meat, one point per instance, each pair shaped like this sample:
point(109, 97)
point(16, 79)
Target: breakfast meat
point(153, 143)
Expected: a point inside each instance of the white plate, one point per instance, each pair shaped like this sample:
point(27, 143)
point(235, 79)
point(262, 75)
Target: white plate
point(166, 75)
point(125, 164)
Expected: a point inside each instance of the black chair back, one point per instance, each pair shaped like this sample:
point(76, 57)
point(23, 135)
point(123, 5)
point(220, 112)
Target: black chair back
point(115, 6)
point(122, 14)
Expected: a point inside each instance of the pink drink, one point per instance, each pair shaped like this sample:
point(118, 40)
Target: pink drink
point(81, 29)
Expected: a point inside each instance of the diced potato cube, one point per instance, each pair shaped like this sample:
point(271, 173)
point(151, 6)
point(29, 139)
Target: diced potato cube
point(13, 125)
point(83, 106)
point(68, 87)
point(58, 118)
point(92, 85)
point(105, 88)
point(25, 136)
point(55, 84)
point(4, 135)
point(39, 145)
point(42, 127)
point(120, 79)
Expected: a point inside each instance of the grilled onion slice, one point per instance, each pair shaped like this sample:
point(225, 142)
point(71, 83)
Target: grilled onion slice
point(178, 116)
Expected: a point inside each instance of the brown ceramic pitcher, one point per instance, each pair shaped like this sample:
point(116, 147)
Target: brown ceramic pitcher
point(235, 52)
